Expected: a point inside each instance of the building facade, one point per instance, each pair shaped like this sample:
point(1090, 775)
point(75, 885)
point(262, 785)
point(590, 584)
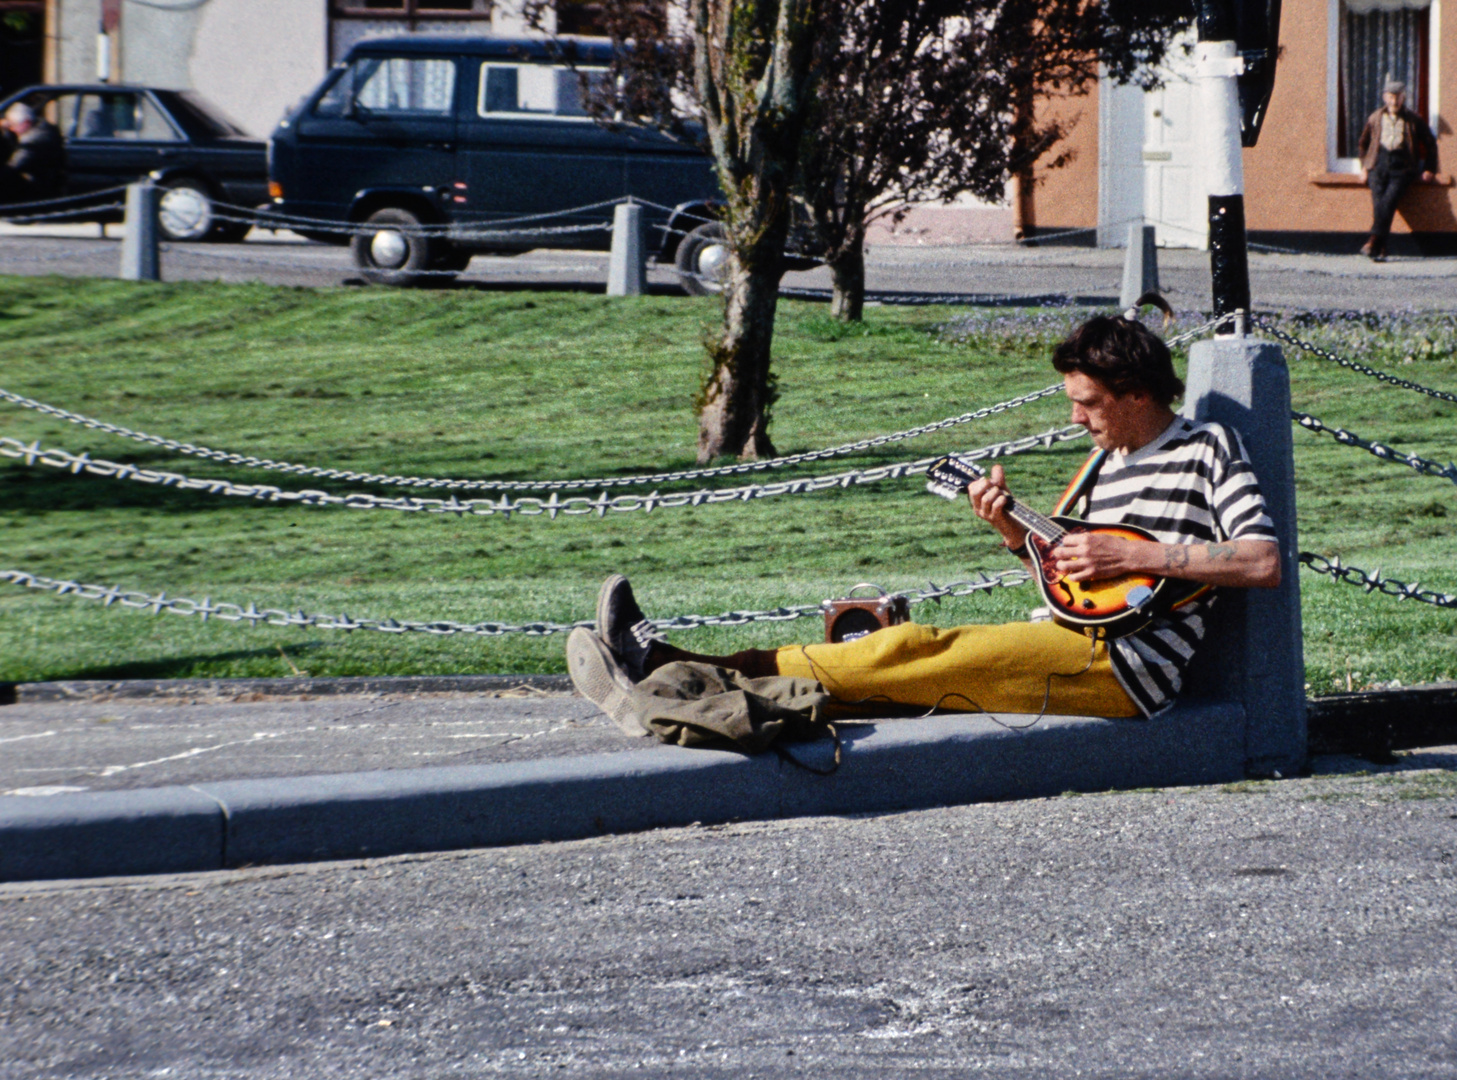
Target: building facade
point(1136, 154)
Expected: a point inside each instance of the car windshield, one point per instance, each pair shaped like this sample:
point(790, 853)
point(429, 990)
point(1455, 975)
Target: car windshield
point(200, 116)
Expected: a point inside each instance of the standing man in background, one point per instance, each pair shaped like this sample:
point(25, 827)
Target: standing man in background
point(1396, 147)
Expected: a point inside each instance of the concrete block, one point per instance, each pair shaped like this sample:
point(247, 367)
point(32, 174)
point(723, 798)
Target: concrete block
point(627, 272)
point(101, 834)
point(1254, 651)
point(894, 765)
point(1140, 265)
point(437, 809)
point(954, 760)
point(140, 255)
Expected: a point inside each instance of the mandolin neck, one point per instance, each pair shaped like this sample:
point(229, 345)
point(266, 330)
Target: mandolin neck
point(1039, 525)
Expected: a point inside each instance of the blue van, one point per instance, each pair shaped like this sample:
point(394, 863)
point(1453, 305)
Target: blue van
point(440, 146)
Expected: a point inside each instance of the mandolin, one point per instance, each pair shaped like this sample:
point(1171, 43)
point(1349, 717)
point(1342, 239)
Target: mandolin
point(1111, 607)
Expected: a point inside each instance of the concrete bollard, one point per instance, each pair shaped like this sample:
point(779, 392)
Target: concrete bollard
point(627, 272)
point(1140, 265)
point(140, 256)
point(1254, 652)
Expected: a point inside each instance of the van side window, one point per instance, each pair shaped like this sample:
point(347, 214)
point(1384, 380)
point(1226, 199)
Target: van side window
point(535, 90)
point(395, 85)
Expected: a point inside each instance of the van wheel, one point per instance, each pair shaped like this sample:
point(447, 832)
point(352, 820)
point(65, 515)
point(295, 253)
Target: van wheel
point(702, 260)
point(390, 249)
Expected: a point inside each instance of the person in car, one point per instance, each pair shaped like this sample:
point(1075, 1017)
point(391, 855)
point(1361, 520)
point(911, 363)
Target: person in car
point(35, 156)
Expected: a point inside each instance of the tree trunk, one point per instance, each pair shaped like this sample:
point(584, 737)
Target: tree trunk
point(847, 275)
point(733, 413)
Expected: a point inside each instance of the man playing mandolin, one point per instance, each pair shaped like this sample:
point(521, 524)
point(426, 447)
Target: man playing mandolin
point(1183, 504)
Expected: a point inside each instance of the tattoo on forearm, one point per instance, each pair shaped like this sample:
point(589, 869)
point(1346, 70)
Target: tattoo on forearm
point(1221, 552)
point(1175, 556)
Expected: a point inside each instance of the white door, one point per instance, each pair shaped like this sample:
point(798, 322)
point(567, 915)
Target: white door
point(1174, 199)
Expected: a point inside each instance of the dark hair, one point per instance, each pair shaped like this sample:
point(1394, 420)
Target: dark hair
point(1122, 355)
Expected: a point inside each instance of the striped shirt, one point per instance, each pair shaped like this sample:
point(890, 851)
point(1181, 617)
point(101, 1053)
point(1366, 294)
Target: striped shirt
point(1191, 485)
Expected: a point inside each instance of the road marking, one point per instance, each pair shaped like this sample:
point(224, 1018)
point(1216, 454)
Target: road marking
point(54, 789)
point(21, 738)
point(112, 770)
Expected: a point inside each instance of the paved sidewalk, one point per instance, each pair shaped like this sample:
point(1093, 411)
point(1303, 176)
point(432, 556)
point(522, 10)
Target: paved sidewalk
point(1086, 275)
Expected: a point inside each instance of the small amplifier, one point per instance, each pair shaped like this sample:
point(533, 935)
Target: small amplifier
point(856, 616)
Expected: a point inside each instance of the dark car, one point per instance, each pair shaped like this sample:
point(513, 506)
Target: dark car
point(446, 144)
point(118, 134)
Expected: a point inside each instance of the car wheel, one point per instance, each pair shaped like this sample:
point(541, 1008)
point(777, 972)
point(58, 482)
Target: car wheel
point(702, 260)
point(185, 212)
point(390, 250)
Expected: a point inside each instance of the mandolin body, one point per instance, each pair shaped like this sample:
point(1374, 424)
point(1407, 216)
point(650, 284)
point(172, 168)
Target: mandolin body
point(1114, 607)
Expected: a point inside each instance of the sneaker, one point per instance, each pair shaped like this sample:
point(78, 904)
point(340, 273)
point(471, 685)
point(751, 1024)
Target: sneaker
point(623, 628)
point(1369, 246)
point(598, 678)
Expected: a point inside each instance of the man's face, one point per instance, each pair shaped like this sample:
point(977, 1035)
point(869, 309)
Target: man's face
point(1394, 102)
point(1113, 420)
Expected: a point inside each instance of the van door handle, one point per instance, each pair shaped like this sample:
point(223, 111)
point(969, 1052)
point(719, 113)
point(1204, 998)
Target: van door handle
point(448, 147)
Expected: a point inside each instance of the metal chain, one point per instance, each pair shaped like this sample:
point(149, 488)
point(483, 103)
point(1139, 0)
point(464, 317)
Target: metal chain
point(738, 469)
point(1425, 466)
point(1372, 581)
point(253, 615)
point(33, 453)
point(453, 232)
point(269, 219)
point(74, 202)
point(1361, 369)
point(77, 215)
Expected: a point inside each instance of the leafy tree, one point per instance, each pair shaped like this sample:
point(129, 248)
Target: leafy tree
point(848, 109)
point(923, 100)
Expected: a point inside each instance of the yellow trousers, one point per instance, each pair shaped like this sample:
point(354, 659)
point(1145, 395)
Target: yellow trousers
point(968, 668)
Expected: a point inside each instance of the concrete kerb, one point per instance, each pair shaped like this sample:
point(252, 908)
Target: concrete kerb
point(300, 686)
point(896, 765)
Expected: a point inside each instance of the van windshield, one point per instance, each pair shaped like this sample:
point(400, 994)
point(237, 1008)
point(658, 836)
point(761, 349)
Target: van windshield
point(396, 84)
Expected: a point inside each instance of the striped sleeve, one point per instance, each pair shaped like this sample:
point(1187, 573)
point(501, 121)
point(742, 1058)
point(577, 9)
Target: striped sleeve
point(1239, 507)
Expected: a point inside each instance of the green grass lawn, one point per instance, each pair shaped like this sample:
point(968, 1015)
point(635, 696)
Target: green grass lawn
point(517, 385)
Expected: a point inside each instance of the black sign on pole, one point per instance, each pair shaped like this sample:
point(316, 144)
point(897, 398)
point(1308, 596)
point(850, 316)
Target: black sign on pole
point(1257, 36)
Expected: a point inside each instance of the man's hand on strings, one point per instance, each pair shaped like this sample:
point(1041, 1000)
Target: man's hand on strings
point(1093, 556)
point(990, 499)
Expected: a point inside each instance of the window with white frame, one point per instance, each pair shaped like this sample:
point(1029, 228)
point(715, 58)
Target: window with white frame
point(536, 90)
point(1379, 40)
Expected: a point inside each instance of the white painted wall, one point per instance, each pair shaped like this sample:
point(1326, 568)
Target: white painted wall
point(255, 58)
point(1149, 163)
point(1120, 161)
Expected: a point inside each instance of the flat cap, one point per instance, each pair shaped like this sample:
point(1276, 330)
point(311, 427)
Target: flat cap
point(1394, 86)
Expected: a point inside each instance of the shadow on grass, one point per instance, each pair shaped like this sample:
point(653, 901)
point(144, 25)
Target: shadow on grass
point(181, 667)
point(588, 286)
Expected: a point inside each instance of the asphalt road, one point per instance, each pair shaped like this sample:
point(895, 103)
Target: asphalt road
point(63, 747)
point(1278, 281)
point(1294, 928)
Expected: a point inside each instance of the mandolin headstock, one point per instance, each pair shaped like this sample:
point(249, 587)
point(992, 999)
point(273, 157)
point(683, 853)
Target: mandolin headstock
point(950, 476)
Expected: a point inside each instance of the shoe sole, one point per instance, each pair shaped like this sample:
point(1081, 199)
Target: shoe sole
point(591, 666)
point(603, 595)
